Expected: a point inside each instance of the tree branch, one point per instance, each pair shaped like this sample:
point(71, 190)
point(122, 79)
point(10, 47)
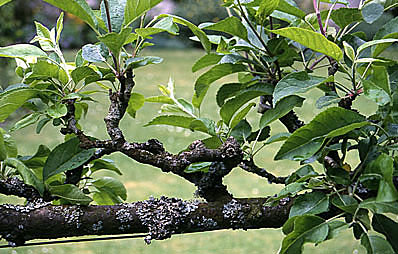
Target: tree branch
point(16, 187)
point(251, 167)
point(159, 218)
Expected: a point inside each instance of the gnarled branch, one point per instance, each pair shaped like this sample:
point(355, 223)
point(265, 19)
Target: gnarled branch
point(159, 218)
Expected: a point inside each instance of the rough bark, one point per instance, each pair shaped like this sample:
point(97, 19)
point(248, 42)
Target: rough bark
point(159, 218)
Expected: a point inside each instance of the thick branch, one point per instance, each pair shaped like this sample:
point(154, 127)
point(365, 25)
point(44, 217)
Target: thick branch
point(160, 218)
point(16, 187)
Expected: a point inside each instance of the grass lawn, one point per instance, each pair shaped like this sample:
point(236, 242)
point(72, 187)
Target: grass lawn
point(142, 181)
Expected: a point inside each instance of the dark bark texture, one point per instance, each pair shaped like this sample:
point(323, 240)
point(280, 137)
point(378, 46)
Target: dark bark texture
point(159, 218)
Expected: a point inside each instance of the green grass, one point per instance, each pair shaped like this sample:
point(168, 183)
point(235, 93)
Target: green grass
point(142, 181)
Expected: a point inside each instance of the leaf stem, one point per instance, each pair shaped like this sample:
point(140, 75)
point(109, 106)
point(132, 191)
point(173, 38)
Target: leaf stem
point(318, 16)
point(108, 19)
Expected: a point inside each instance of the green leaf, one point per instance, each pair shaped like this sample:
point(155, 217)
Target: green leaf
point(375, 93)
point(38, 159)
point(71, 193)
point(310, 203)
point(198, 167)
point(79, 61)
point(106, 198)
point(160, 99)
point(241, 131)
point(382, 42)
point(384, 167)
point(204, 125)
point(389, 30)
point(377, 87)
point(41, 124)
point(339, 175)
point(260, 135)
point(380, 207)
point(312, 40)
point(3, 149)
point(137, 62)
point(9, 143)
point(108, 164)
point(206, 79)
point(57, 110)
point(115, 41)
point(346, 16)
point(375, 244)
point(135, 103)
point(180, 121)
point(266, 8)
point(3, 2)
point(66, 156)
point(27, 174)
point(79, 8)
point(231, 107)
point(303, 229)
point(21, 51)
point(278, 137)
point(294, 83)
point(43, 70)
point(44, 37)
point(82, 72)
point(92, 53)
point(231, 25)
point(164, 25)
point(26, 121)
point(195, 30)
point(167, 24)
point(60, 26)
point(349, 51)
point(112, 186)
point(228, 90)
point(307, 140)
point(116, 13)
point(147, 32)
point(372, 12)
point(13, 99)
point(283, 107)
point(206, 61)
point(327, 100)
point(242, 114)
point(388, 228)
point(286, 7)
point(335, 227)
point(346, 203)
point(135, 8)
point(302, 174)
point(292, 189)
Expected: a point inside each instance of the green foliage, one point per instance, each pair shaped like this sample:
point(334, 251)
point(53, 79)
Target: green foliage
point(312, 40)
point(306, 141)
point(302, 229)
point(70, 193)
point(66, 156)
point(13, 99)
point(21, 51)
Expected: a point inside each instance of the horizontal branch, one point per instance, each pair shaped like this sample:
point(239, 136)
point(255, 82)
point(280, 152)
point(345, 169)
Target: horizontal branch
point(159, 218)
point(251, 167)
point(16, 187)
